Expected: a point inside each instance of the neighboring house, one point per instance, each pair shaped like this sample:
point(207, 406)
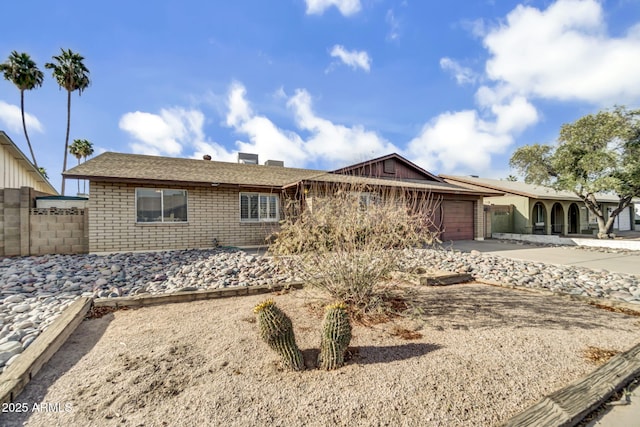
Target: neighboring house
point(143, 202)
point(542, 210)
point(16, 170)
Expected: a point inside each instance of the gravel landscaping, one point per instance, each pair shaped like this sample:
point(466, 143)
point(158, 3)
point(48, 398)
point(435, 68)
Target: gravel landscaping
point(473, 355)
point(35, 290)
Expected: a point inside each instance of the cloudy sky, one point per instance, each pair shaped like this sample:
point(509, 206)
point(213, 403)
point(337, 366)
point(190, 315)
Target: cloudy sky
point(454, 86)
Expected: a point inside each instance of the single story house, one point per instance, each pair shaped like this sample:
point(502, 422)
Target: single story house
point(541, 210)
point(17, 171)
point(141, 202)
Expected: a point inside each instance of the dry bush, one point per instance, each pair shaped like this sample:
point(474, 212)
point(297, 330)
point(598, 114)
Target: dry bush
point(347, 238)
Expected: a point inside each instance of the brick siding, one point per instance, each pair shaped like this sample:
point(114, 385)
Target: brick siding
point(213, 213)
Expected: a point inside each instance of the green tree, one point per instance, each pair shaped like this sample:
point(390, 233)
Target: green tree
point(87, 150)
point(71, 74)
point(23, 72)
point(599, 153)
point(81, 149)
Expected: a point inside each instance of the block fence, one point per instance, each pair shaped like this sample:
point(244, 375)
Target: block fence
point(26, 230)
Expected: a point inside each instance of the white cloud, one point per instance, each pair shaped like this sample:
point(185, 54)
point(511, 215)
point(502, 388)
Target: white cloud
point(265, 138)
point(394, 25)
point(324, 141)
point(476, 27)
point(346, 7)
point(169, 133)
point(11, 116)
point(463, 140)
point(463, 75)
point(354, 58)
point(337, 143)
point(564, 53)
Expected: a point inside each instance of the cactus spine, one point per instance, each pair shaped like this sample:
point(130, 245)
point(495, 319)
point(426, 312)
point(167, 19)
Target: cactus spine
point(336, 335)
point(277, 331)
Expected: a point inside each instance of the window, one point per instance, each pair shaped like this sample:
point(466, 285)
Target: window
point(538, 214)
point(367, 199)
point(389, 166)
point(156, 205)
point(256, 207)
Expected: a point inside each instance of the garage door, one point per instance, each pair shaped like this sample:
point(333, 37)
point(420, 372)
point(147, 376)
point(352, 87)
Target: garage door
point(457, 220)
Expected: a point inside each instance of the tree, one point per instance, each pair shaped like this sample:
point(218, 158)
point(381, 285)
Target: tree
point(87, 150)
point(599, 153)
point(81, 148)
point(71, 74)
point(23, 72)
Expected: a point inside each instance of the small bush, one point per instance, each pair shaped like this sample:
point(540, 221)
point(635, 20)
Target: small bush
point(346, 239)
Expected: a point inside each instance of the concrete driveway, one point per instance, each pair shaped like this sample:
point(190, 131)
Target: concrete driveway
point(620, 263)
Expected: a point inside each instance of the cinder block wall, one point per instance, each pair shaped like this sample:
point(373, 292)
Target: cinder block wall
point(213, 213)
point(25, 230)
point(11, 221)
point(59, 231)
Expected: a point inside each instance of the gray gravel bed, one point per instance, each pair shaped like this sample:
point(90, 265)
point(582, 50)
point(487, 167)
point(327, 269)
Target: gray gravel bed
point(35, 290)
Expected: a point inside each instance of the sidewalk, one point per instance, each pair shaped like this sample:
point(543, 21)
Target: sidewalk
point(620, 415)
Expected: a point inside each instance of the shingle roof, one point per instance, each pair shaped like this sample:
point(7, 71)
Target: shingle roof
point(121, 167)
point(438, 187)
point(135, 167)
point(521, 188)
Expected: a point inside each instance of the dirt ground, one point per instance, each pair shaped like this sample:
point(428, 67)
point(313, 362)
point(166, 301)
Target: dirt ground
point(472, 355)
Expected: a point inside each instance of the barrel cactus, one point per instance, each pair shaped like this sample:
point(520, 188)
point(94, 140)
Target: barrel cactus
point(336, 335)
point(276, 330)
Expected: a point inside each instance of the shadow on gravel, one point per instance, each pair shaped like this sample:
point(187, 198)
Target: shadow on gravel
point(477, 306)
point(368, 355)
point(81, 341)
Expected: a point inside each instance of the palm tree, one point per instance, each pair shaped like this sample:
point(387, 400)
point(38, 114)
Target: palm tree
point(71, 74)
point(23, 72)
point(81, 148)
point(76, 149)
point(87, 150)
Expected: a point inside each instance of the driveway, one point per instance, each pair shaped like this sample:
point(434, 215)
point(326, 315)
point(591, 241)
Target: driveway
point(628, 262)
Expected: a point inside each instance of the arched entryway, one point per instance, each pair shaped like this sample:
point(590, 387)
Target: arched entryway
point(574, 219)
point(539, 219)
point(557, 219)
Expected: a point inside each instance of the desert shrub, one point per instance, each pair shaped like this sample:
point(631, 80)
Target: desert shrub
point(346, 239)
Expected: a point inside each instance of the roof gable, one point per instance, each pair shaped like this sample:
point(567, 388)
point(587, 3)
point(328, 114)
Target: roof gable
point(12, 151)
point(391, 166)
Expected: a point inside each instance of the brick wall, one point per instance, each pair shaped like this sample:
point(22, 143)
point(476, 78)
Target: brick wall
point(213, 213)
point(25, 230)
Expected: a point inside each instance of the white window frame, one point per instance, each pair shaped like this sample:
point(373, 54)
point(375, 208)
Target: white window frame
point(162, 220)
point(260, 219)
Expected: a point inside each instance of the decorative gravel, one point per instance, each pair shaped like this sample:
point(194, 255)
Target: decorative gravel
point(35, 290)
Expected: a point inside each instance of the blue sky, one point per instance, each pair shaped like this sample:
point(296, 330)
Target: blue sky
point(454, 86)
